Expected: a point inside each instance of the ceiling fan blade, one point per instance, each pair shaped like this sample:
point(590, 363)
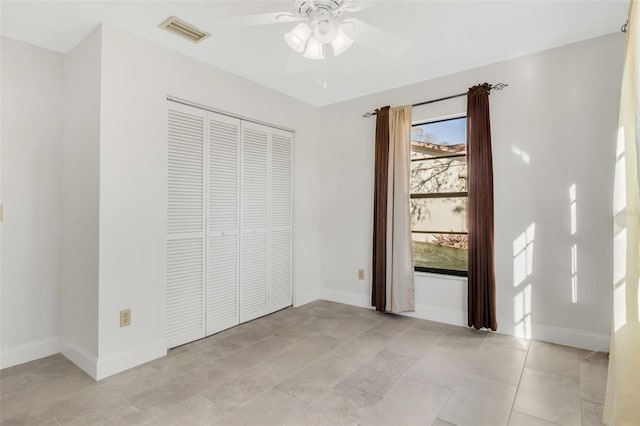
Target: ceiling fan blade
point(375, 38)
point(252, 20)
point(356, 5)
point(295, 64)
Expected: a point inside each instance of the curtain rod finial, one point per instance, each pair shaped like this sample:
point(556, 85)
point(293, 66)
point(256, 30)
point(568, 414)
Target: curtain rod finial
point(499, 86)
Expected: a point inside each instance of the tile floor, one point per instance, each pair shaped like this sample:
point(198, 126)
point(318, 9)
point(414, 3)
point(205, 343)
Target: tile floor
point(323, 364)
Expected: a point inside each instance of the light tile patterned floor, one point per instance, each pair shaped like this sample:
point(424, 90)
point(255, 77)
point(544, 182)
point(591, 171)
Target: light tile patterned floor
point(323, 364)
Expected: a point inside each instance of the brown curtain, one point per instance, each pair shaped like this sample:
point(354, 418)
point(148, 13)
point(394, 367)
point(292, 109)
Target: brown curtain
point(481, 294)
point(381, 170)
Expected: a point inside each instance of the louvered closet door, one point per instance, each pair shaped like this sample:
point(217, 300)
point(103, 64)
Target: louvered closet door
point(254, 293)
point(185, 225)
point(280, 241)
point(222, 309)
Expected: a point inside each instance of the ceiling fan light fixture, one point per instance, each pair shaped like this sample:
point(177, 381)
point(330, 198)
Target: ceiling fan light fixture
point(325, 29)
point(314, 49)
point(297, 38)
point(341, 42)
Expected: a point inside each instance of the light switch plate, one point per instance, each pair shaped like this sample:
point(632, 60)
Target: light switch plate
point(361, 274)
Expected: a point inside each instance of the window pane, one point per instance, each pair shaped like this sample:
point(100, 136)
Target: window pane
point(440, 251)
point(439, 214)
point(446, 133)
point(439, 166)
point(441, 175)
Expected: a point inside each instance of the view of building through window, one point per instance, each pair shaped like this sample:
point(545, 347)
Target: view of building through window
point(439, 196)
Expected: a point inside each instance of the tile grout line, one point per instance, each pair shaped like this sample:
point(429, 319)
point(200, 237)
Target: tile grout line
point(580, 388)
point(536, 417)
point(52, 415)
point(515, 395)
point(445, 404)
point(555, 374)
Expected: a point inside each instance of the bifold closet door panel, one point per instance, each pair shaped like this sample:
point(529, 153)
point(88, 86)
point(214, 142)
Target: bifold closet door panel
point(280, 288)
point(254, 291)
point(280, 218)
point(185, 225)
point(222, 308)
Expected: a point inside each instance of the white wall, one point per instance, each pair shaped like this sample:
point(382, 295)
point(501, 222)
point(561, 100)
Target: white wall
point(32, 89)
point(554, 126)
point(80, 200)
point(137, 76)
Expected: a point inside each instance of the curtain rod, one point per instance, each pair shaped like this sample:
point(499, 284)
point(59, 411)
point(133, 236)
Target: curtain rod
point(497, 86)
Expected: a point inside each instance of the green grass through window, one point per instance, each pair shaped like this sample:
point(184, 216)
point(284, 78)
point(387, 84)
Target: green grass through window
point(431, 255)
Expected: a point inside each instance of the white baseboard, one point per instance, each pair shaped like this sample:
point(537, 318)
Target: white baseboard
point(346, 297)
point(302, 298)
point(101, 368)
point(29, 352)
point(562, 336)
point(547, 333)
point(96, 368)
point(109, 366)
point(86, 361)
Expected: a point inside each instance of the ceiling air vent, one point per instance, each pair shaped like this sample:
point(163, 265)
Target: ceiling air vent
point(184, 29)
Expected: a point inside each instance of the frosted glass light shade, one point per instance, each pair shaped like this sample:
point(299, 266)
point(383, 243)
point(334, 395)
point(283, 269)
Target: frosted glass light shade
point(314, 49)
point(325, 30)
point(341, 42)
point(297, 38)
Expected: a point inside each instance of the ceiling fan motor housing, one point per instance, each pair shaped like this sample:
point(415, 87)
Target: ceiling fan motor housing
point(307, 8)
point(321, 15)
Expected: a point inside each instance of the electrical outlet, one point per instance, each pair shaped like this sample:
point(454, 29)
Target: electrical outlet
point(125, 317)
point(361, 274)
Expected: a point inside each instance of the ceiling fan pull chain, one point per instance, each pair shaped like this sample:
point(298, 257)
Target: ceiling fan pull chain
point(324, 73)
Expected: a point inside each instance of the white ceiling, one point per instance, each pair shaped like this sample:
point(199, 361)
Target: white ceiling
point(445, 37)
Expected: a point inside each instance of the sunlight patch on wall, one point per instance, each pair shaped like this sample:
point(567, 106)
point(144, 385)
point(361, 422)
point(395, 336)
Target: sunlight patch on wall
point(619, 185)
point(572, 201)
point(620, 143)
point(620, 302)
point(620, 256)
point(621, 237)
point(574, 247)
point(522, 313)
point(574, 273)
point(522, 270)
point(521, 154)
point(523, 255)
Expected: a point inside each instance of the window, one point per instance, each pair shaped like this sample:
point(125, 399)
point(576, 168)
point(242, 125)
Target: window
point(438, 188)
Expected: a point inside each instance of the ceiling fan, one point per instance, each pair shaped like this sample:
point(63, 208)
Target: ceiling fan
point(321, 24)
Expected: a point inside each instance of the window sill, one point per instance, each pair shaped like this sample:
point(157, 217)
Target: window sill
point(439, 276)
